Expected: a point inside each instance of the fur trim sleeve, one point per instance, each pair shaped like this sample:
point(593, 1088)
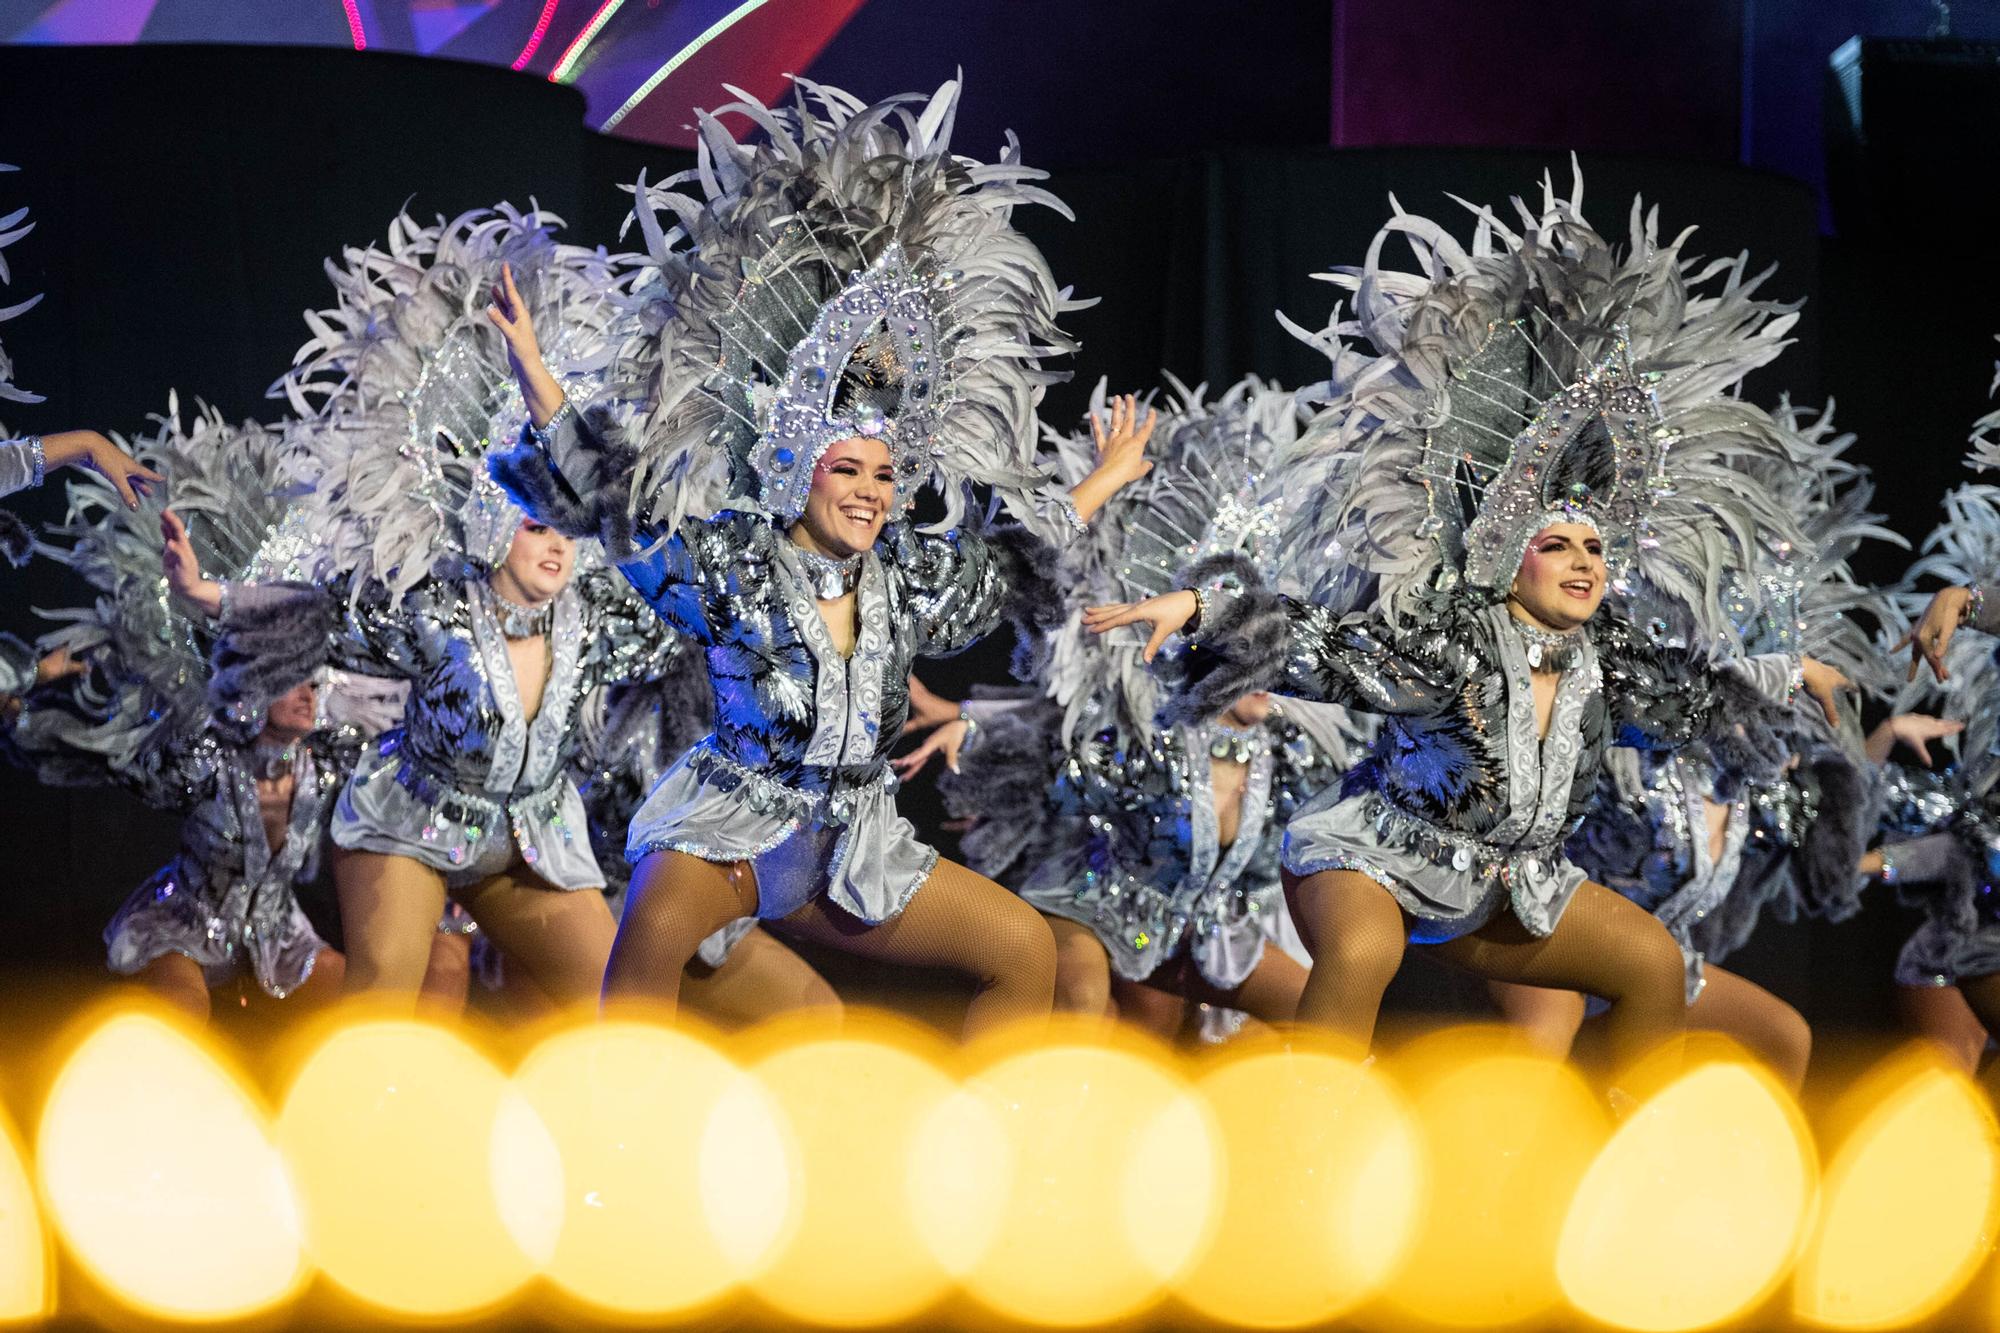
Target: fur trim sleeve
point(575, 475)
point(1240, 644)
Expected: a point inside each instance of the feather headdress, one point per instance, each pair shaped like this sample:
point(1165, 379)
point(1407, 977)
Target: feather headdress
point(150, 657)
point(1532, 376)
point(405, 386)
point(1204, 496)
point(841, 273)
point(13, 226)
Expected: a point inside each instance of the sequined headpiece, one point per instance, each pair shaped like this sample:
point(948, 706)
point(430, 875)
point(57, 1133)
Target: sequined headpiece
point(1504, 465)
point(868, 368)
point(1534, 377)
point(843, 273)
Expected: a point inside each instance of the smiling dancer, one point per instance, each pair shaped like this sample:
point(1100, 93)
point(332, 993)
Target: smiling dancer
point(1541, 415)
point(1712, 836)
point(842, 316)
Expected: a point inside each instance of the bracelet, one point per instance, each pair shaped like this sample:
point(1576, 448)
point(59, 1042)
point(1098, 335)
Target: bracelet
point(1975, 604)
point(971, 726)
point(40, 459)
point(1888, 863)
point(1200, 612)
point(1798, 680)
point(540, 436)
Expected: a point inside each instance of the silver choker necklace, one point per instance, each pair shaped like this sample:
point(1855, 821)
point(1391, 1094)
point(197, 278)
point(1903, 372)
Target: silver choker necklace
point(831, 579)
point(1548, 650)
point(268, 759)
point(1226, 742)
point(524, 622)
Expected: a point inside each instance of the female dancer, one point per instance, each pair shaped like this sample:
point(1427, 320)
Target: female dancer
point(131, 710)
point(1708, 837)
point(1942, 836)
point(417, 568)
point(854, 316)
point(1503, 457)
point(1153, 851)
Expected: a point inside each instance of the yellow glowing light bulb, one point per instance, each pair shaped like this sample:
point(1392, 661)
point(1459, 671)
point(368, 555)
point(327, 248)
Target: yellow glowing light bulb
point(856, 1101)
point(429, 1187)
point(1508, 1135)
point(24, 1247)
point(1110, 1171)
point(1907, 1215)
point(1694, 1211)
point(161, 1178)
point(680, 1176)
point(1325, 1183)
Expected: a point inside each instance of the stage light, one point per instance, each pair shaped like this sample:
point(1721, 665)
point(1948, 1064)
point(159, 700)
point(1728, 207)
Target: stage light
point(855, 1100)
point(1113, 1175)
point(679, 1174)
point(161, 1178)
point(1693, 1212)
point(1907, 1215)
point(24, 1247)
point(425, 1182)
point(1508, 1135)
point(1324, 1185)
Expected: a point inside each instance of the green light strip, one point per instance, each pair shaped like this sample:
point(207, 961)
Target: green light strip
point(681, 57)
point(565, 69)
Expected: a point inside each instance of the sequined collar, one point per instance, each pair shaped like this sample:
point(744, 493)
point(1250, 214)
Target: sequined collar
point(1548, 650)
point(831, 578)
point(523, 622)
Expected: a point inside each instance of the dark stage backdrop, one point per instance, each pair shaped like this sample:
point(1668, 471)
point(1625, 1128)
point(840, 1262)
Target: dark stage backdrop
point(186, 201)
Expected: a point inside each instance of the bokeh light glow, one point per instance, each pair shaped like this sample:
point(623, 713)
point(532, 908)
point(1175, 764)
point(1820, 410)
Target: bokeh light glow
point(1693, 1212)
point(394, 1130)
point(1907, 1214)
point(161, 1178)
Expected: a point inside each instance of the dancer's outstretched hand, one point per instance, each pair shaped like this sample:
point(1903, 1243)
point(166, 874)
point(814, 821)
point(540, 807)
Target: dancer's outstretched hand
point(928, 709)
point(58, 665)
point(946, 740)
point(511, 316)
point(1165, 614)
point(1913, 731)
point(1932, 635)
point(183, 570)
point(1121, 436)
point(88, 448)
point(1825, 684)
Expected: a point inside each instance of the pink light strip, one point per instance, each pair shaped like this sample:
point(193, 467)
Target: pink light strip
point(535, 39)
point(354, 28)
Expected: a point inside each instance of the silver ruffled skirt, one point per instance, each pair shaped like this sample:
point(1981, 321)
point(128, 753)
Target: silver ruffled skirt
point(849, 845)
point(1142, 928)
point(1450, 884)
point(268, 932)
point(463, 836)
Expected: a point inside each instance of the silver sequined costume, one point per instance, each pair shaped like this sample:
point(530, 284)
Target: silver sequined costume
point(138, 717)
point(467, 782)
point(228, 899)
point(1941, 833)
point(842, 274)
point(1535, 375)
point(1130, 845)
point(1085, 807)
